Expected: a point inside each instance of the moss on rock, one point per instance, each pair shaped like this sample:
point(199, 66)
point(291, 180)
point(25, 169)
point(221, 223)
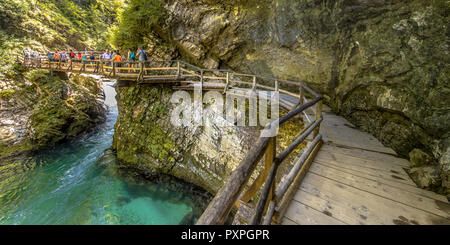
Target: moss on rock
point(52, 108)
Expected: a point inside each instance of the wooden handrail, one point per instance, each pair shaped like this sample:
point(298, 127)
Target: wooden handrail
point(219, 208)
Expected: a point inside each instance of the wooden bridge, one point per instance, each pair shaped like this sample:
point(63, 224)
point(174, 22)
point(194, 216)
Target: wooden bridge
point(343, 176)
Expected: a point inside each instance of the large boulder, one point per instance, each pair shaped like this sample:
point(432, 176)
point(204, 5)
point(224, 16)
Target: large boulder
point(419, 158)
point(426, 177)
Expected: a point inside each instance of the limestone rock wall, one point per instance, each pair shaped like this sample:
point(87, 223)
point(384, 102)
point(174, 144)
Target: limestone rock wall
point(39, 110)
point(145, 139)
point(383, 64)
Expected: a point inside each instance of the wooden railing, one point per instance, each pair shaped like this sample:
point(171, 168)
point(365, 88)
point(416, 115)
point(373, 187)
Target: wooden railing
point(273, 199)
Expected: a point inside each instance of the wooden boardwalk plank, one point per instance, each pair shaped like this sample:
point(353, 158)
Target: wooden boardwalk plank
point(386, 191)
point(287, 221)
point(368, 155)
point(380, 177)
point(341, 132)
point(304, 215)
point(391, 160)
point(380, 210)
point(335, 209)
point(379, 166)
point(365, 171)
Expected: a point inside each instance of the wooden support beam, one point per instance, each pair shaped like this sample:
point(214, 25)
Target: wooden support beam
point(114, 69)
point(265, 196)
point(283, 203)
point(318, 116)
point(259, 181)
point(227, 83)
point(219, 208)
point(201, 77)
point(254, 84)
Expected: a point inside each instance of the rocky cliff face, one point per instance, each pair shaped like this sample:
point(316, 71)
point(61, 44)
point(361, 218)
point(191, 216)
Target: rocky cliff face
point(39, 110)
point(146, 139)
point(383, 64)
point(205, 155)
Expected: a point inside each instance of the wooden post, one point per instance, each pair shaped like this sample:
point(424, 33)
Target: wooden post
point(254, 84)
point(277, 85)
point(283, 200)
point(268, 189)
point(219, 208)
point(228, 82)
point(318, 116)
point(269, 156)
point(201, 77)
point(178, 70)
point(114, 68)
point(101, 67)
point(141, 71)
point(302, 96)
point(97, 66)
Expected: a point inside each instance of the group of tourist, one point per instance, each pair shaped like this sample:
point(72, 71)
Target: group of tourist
point(71, 56)
point(115, 56)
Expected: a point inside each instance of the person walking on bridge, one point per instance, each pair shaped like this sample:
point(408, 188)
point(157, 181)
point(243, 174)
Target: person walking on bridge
point(142, 55)
point(106, 55)
point(113, 56)
point(118, 60)
point(131, 57)
point(57, 57)
point(63, 57)
point(50, 56)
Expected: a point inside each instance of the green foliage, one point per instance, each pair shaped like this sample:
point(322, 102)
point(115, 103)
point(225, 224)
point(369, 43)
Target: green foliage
point(7, 94)
point(41, 25)
point(136, 22)
point(60, 23)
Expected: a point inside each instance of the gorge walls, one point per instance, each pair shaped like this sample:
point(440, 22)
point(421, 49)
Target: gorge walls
point(382, 64)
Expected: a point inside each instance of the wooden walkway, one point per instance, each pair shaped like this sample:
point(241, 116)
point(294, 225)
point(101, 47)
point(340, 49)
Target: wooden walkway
point(356, 180)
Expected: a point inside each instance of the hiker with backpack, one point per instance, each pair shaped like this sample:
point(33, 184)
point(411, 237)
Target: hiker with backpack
point(131, 57)
point(142, 54)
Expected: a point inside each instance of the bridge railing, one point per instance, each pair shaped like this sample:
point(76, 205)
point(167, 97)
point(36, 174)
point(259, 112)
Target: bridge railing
point(273, 199)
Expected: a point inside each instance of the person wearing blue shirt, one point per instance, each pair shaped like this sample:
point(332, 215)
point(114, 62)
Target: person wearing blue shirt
point(142, 55)
point(106, 56)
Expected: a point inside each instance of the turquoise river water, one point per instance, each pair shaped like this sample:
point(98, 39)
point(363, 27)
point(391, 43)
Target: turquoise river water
point(79, 182)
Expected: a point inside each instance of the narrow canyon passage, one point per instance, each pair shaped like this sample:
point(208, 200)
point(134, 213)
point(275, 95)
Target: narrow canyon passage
point(79, 182)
